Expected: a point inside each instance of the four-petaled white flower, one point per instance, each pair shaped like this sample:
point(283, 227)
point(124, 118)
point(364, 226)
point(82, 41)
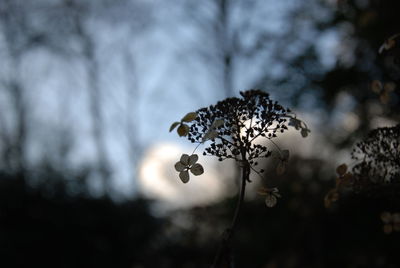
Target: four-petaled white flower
point(188, 163)
point(271, 196)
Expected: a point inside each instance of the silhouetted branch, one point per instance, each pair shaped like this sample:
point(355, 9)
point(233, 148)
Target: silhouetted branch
point(224, 256)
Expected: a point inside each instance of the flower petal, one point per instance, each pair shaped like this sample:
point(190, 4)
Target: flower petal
point(347, 179)
point(184, 176)
point(174, 125)
point(270, 200)
point(197, 169)
point(217, 123)
point(193, 159)
point(330, 197)
point(179, 166)
point(183, 130)
point(212, 134)
point(189, 117)
point(304, 132)
point(294, 122)
point(185, 159)
point(341, 170)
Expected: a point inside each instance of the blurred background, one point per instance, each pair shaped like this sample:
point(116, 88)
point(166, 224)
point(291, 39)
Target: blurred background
point(88, 90)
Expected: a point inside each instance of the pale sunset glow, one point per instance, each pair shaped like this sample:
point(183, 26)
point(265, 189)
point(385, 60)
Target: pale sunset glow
point(159, 180)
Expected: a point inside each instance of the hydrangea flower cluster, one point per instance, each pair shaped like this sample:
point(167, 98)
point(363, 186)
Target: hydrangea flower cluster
point(377, 169)
point(233, 124)
point(378, 158)
point(233, 129)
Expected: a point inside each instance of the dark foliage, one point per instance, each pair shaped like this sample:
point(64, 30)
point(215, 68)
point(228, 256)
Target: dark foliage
point(298, 232)
point(62, 231)
point(65, 231)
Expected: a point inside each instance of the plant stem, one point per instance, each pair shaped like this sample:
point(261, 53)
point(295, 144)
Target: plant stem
point(224, 255)
point(245, 177)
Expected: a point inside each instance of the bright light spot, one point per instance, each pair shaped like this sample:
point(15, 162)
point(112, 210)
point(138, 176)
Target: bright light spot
point(159, 180)
point(350, 122)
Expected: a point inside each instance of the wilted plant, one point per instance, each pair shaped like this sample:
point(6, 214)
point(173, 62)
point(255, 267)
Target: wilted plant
point(376, 169)
point(235, 128)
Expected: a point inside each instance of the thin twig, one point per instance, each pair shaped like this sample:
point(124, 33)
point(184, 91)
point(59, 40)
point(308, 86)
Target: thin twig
point(224, 251)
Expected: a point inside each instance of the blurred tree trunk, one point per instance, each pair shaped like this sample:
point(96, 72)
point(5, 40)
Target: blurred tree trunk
point(225, 42)
point(132, 128)
point(14, 25)
point(95, 94)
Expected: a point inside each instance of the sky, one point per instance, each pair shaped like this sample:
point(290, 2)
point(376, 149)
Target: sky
point(155, 62)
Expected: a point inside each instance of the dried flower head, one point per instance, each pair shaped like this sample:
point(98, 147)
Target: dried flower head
point(377, 168)
point(233, 125)
point(234, 129)
point(378, 158)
